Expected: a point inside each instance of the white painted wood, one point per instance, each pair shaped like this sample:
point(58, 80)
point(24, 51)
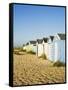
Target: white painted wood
point(34, 48)
point(54, 50)
point(57, 52)
point(51, 51)
point(24, 47)
point(28, 48)
point(62, 54)
point(46, 49)
point(60, 50)
point(39, 49)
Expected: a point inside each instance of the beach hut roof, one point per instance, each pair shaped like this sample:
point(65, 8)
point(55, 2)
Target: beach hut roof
point(32, 42)
point(39, 41)
point(27, 43)
point(52, 38)
point(62, 36)
point(45, 39)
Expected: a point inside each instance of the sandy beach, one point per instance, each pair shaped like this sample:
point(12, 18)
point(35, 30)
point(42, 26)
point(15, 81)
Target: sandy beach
point(31, 70)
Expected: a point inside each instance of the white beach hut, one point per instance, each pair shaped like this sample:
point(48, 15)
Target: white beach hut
point(24, 47)
point(59, 42)
point(31, 46)
point(45, 47)
point(51, 51)
point(39, 47)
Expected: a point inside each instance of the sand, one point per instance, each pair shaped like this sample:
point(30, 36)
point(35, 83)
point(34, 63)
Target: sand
point(31, 70)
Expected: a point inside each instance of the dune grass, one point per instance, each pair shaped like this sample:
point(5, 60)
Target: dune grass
point(59, 63)
point(23, 50)
point(16, 52)
point(31, 52)
point(43, 56)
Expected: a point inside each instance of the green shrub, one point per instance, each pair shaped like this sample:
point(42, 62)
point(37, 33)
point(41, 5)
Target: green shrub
point(59, 63)
point(31, 52)
point(43, 56)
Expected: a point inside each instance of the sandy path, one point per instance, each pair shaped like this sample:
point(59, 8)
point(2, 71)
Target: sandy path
point(30, 70)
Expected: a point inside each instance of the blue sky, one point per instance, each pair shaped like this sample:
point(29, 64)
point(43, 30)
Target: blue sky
point(35, 22)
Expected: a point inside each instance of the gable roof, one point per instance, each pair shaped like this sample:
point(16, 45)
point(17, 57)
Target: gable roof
point(27, 43)
point(39, 41)
point(45, 39)
point(62, 36)
point(52, 38)
point(32, 42)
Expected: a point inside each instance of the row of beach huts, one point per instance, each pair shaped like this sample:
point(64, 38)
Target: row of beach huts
point(53, 47)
